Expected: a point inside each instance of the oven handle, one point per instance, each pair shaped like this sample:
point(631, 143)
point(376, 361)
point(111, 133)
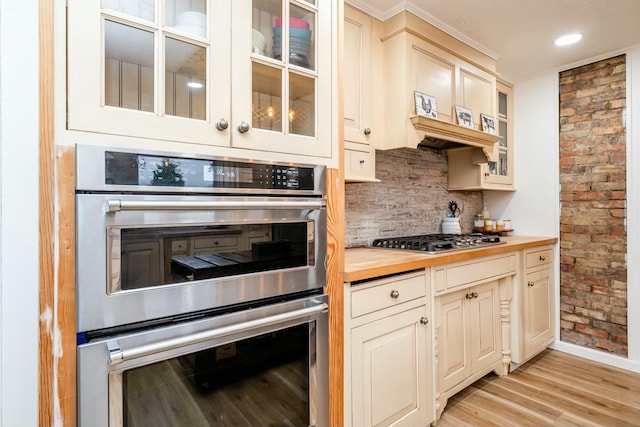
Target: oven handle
point(132, 205)
point(118, 355)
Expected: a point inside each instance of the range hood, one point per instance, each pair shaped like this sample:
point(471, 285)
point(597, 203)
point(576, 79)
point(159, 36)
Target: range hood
point(441, 135)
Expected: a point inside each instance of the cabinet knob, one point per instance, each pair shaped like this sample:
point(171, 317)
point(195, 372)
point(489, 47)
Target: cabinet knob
point(472, 295)
point(530, 284)
point(367, 131)
point(475, 294)
point(362, 162)
point(424, 320)
point(222, 124)
point(395, 294)
point(542, 258)
point(243, 127)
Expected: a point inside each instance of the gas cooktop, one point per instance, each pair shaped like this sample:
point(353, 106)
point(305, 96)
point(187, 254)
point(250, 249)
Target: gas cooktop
point(438, 243)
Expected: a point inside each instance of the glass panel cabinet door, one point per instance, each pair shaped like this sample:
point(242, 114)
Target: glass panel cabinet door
point(143, 68)
point(280, 110)
point(500, 171)
point(247, 74)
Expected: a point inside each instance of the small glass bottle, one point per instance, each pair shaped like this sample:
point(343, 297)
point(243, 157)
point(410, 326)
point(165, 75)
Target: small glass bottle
point(478, 223)
point(485, 213)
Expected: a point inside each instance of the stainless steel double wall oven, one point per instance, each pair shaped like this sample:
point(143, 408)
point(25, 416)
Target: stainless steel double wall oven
point(199, 290)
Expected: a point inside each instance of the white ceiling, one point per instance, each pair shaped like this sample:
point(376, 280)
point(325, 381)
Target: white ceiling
point(520, 33)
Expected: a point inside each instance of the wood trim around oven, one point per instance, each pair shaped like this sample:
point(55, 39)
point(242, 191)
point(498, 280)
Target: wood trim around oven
point(56, 304)
point(57, 297)
point(336, 246)
point(335, 273)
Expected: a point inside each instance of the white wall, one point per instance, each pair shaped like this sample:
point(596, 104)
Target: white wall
point(18, 213)
point(633, 200)
point(534, 207)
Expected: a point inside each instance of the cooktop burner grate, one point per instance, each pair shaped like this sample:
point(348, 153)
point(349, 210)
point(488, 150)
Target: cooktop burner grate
point(437, 243)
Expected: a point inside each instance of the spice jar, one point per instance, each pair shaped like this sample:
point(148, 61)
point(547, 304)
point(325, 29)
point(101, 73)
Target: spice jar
point(478, 223)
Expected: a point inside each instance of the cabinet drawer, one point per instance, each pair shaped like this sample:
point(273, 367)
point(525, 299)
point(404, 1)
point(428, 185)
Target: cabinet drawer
point(178, 247)
point(359, 164)
point(537, 258)
point(470, 273)
point(214, 242)
point(383, 293)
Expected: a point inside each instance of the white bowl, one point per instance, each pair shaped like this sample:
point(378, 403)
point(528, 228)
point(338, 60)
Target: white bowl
point(191, 19)
point(258, 40)
point(192, 29)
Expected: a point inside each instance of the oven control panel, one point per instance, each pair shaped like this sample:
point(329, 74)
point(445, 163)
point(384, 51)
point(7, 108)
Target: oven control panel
point(162, 172)
point(150, 170)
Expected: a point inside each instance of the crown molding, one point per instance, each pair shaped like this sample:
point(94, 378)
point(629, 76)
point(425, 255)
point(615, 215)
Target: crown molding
point(381, 15)
point(416, 10)
point(453, 32)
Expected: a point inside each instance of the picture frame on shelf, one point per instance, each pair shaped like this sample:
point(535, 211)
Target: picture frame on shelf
point(426, 105)
point(464, 116)
point(488, 123)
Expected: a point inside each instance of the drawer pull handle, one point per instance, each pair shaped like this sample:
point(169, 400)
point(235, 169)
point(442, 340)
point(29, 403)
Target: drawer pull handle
point(424, 320)
point(530, 284)
point(542, 258)
point(472, 295)
point(395, 294)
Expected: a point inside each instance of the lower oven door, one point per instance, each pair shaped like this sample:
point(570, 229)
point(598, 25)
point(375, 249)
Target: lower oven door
point(260, 366)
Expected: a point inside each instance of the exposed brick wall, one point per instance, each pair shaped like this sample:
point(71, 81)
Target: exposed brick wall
point(412, 198)
point(593, 243)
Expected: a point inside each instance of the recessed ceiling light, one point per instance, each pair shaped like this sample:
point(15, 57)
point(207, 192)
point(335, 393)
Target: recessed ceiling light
point(195, 85)
point(568, 39)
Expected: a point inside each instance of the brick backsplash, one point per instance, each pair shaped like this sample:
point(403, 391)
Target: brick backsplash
point(593, 237)
point(412, 198)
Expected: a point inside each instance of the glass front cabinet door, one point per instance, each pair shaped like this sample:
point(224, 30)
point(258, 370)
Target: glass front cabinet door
point(500, 171)
point(242, 74)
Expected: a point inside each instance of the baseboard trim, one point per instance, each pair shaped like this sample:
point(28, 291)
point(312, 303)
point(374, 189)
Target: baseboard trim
point(597, 356)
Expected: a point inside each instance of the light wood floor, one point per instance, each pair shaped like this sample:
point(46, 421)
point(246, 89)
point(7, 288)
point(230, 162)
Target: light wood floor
point(553, 389)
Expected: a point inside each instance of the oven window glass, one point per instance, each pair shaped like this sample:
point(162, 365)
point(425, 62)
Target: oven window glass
point(260, 381)
point(146, 257)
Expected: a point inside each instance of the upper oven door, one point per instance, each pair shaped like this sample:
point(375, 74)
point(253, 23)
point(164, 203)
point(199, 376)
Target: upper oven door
point(144, 257)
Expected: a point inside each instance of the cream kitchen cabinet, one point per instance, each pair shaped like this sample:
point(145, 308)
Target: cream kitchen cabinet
point(361, 129)
point(388, 345)
point(468, 334)
point(534, 328)
point(419, 57)
point(472, 329)
point(205, 72)
point(470, 171)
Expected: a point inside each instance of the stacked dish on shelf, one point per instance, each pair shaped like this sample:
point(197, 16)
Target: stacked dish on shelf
point(299, 41)
point(258, 42)
point(192, 22)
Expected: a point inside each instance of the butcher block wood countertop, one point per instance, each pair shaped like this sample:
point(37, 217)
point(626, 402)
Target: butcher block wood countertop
point(366, 263)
